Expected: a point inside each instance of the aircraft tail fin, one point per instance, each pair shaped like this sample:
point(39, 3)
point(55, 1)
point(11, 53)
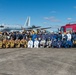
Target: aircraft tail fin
point(27, 23)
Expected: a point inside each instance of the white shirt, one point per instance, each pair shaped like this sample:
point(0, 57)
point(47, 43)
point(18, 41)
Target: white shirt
point(42, 42)
point(69, 36)
point(36, 42)
point(30, 42)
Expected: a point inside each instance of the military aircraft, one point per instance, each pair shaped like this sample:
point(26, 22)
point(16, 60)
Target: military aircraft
point(9, 28)
point(34, 27)
point(27, 27)
point(44, 28)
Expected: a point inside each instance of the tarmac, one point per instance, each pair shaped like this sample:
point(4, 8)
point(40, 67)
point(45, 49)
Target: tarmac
point(41, 61)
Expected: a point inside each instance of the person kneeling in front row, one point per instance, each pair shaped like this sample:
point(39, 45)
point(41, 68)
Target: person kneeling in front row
point(30, 43)
point(36, 43)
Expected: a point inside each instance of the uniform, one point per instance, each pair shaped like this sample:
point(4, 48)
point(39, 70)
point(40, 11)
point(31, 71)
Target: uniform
point(17, 43)
point(30, 44)
point(23, 43)
point(8, 44)
point(49, 43)
point(59, 44)
point(54, 43)
point(1, 44)
point(36, 44)
point(12, 43)
point(74, 40)
point(42, 43)
point(4, 43)
point(69, 37)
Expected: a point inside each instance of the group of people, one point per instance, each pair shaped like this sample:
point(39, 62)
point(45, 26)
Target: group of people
point(32, 39)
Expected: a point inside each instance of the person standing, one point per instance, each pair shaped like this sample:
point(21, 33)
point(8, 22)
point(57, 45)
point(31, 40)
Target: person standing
point(69, 37)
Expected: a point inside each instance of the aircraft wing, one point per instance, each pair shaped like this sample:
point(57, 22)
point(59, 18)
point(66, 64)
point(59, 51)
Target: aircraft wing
point(33, 27)
point(44, 28)
point(29, 29)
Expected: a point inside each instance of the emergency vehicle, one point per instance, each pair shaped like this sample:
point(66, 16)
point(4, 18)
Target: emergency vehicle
point(68, 27)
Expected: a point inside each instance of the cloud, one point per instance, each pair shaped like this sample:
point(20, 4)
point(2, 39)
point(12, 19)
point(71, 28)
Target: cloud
point(55, 20)
point(52, 19)
point(49, 18)
point(46, 18)
point(69, 18)
point(53, 12)
point(45, 22)
point(75, 7)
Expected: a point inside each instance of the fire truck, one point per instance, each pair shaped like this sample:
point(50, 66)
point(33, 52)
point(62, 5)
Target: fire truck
point(68, 27)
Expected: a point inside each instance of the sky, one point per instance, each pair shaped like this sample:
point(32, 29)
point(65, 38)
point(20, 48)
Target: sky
point(43, 13)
